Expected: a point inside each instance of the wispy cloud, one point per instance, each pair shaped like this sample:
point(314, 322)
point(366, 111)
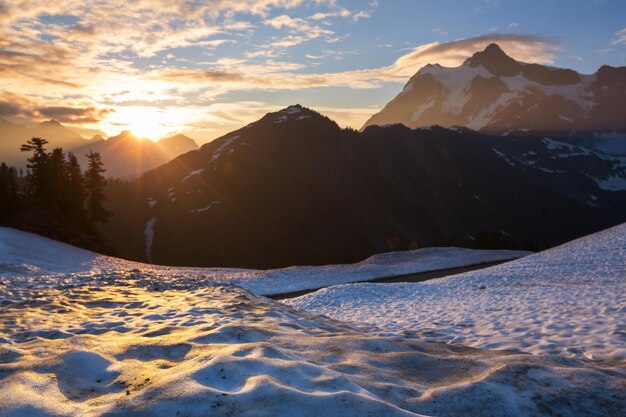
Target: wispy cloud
point(620, 37)
point(528, 48)
point(278, 76)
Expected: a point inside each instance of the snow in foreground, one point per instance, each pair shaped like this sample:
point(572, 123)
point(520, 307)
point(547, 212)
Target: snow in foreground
point(129, 343)
point(569, 300)
point(33, 258)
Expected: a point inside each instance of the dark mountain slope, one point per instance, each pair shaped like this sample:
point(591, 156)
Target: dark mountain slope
point(294, 188)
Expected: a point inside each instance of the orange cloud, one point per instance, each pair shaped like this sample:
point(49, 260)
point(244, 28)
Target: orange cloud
point(73, 115)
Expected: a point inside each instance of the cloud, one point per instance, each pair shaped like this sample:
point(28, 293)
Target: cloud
point(620, 37)
point(301, 31)
point(279, 76)
point(439, 31)
point(222, 76)
point(527, 48)
point(345, 13)
point(12, 104)
point(363, 14)
point(9, 109)
point(338, 13)
point(73, 115)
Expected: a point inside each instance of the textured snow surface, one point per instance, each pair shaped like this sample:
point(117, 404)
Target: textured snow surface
point(105, 337)
point(570, 300)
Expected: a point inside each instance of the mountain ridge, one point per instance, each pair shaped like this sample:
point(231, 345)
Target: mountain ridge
point(13, 135)
point(127, 156)
point(493, 93)
point(294, 188)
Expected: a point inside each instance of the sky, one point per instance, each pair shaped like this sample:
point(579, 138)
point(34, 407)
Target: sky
point(205, 68)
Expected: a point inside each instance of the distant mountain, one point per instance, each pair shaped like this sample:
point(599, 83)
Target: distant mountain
point(58, 135)
point(127, 156)
point(177, 145)
point(493, 93)
point(294, 188)
point(12, 136)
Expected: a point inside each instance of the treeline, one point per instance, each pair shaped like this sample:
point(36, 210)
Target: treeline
point(55, 198)
point(496, 239)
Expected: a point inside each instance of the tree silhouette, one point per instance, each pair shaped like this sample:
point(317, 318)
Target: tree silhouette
point(8, 191)
point(75, 195)
point(94, 183)
point(56, 171)
point(37, 165)
point(55, 199)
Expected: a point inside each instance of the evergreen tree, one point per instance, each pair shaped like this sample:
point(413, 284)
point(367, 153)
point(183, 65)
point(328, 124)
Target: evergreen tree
point(75, 195)
point(13, 189)
point(8, 191)
point(94, 183)
point(57, 179)
point(37, 165)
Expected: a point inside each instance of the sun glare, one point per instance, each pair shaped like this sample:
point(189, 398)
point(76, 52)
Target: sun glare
point(143, 122)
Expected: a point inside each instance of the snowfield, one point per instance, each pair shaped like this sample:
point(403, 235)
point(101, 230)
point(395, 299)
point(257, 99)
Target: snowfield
point(88, 335)
point(570, 300)
point(28, 257)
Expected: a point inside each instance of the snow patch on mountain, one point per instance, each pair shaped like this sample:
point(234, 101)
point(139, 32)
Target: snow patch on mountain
point(615, 182)
point(292, 110)
point(224, 145)
point(192, 174)
point(456, 82)
point(207, 208)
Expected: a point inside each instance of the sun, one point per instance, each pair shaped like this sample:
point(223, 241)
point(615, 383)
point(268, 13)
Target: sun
point(142, 121)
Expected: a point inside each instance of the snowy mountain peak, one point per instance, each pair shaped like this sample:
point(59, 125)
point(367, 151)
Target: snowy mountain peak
point(493, 93)
point(295, 108)
point(296, 113)
point(495, 60)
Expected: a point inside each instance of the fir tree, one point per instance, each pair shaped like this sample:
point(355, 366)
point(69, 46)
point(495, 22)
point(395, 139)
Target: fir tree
point(37, 165)
point(8, 191)
point(94, 183)
point(75, 195)
point(57, 179)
